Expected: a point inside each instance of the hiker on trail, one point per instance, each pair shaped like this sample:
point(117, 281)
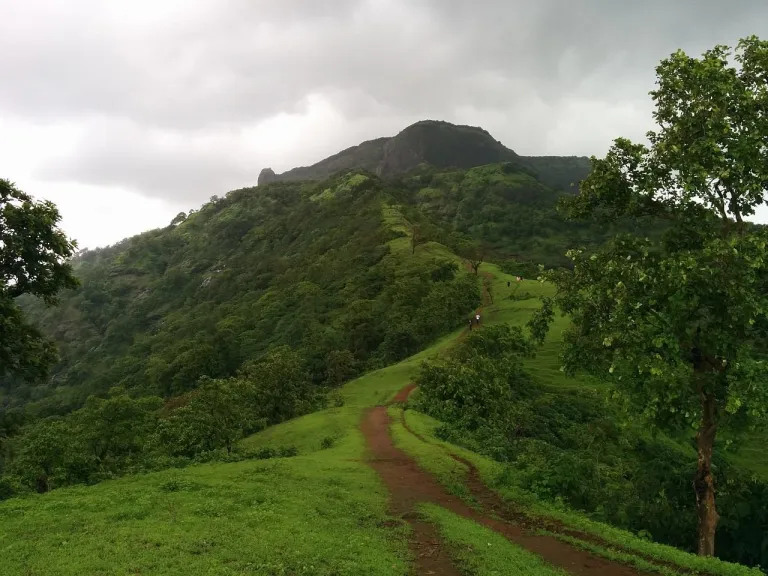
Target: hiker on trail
point(477, 319)
point(470, 324)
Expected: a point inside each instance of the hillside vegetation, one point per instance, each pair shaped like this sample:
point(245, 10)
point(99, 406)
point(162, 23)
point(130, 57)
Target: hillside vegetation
point(306, 265)
point(303, 264)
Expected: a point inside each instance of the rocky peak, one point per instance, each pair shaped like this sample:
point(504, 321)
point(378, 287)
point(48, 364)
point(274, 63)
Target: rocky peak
point(266, 176)
point(443, 145)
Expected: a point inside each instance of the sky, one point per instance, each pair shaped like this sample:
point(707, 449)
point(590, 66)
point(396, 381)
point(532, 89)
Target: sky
point(125, 113)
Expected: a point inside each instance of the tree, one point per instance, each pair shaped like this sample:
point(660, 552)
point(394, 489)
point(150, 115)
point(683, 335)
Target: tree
point(416, 237)
point(679, 325)
point(33, 260)
point(488, 287)
point(444, 270)
point(179, 218)
point(43, 451)
point(475, 386)
point(281, 385)
point(474, 254)
point(117, 427)
point(340, 365)
point(215, 417)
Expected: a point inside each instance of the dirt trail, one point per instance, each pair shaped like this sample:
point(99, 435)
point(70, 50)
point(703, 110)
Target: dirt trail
point(400, 475)
point(408, 485)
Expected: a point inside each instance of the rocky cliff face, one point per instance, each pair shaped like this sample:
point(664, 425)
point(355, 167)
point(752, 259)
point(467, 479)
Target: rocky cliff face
point(440, 144)
point(266, 176)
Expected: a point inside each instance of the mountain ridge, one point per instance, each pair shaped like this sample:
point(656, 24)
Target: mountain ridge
point(439, 144)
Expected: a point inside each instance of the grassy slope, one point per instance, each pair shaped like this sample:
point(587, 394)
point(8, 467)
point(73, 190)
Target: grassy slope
point(321, 512)
point(316, 515)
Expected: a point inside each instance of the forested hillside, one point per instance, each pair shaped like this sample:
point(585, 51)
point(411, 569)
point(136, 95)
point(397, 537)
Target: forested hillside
point(304, 265)
point(511, 213)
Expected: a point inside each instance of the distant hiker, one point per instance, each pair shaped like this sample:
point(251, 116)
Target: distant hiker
point(470, 324)
point(477, 318)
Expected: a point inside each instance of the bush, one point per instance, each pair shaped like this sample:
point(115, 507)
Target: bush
point(265, 453)
point(288, 451)
point(336, 399)
point(9, 487)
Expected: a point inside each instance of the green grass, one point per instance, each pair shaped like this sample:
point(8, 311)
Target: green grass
point(308, 432)
point(616, 555)
point(451, 473)
point(483, 552)
point(319, 513)
point(401, 247)
point(315, 515)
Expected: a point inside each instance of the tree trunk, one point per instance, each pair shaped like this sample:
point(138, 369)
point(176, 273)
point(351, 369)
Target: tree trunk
point(703, 482)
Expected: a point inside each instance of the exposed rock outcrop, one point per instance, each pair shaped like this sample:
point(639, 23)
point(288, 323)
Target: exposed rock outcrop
point(440, 144)
point(266, 176)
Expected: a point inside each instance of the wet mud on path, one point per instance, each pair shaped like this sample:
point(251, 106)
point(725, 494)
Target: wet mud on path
point(409, 485)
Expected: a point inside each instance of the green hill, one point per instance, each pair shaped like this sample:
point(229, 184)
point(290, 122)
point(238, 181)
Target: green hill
point(304, 264)
point(299, 264)
point(509, 211)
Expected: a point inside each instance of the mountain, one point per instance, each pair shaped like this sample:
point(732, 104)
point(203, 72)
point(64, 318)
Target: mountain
point(365, 156)
point(440, 145)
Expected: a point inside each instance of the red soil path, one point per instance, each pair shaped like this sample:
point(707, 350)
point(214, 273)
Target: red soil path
point(409, 485)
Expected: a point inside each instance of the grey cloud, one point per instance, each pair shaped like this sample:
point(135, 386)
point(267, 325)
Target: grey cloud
point(246, 61)
point(121, 154)
point(188, 170)
point(213, 66)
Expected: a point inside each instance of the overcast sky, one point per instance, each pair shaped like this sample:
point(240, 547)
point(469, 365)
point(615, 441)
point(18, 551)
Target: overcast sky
point(126, 112)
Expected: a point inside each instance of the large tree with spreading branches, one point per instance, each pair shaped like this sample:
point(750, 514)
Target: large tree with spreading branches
point(679, 323)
